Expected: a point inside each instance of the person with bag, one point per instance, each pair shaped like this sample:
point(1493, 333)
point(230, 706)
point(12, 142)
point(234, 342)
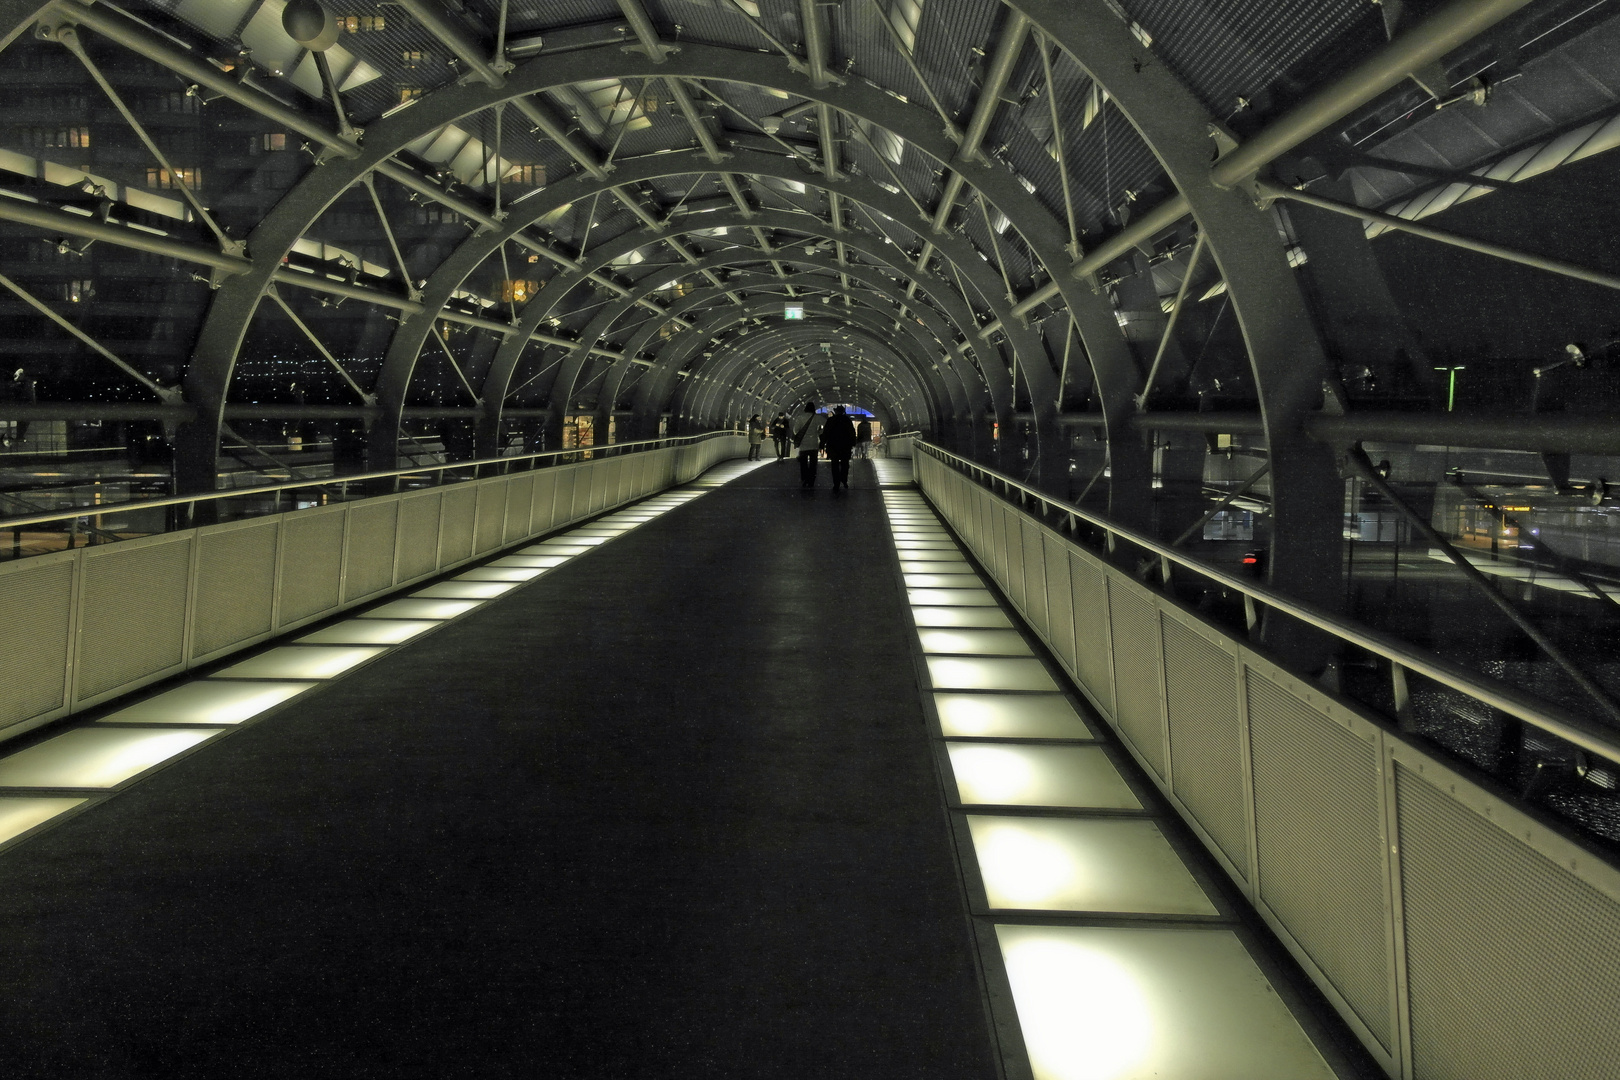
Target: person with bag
point(838, 438)
point(807, 437)
point(779, 434)
point(756, 436)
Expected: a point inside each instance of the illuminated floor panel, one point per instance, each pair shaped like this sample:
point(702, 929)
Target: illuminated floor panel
point(960, 616)
point(938, 566)
point(208, 701)
point(552, 548)
point(950, 598)
point(577, 539)
point(542, 562)
point(964, 673)
point(1067, 776)
point(962, 578)
point(1105, 1003)
point(301, 662)
point(500, 573)
point(373, 631)
point(944, 555)
point(19, 815)
point(1009, 716)
point(975, 642)
point(463, 590)
point(1083, 864)
point(96, 757)
point(923, 545)
point(412, 608)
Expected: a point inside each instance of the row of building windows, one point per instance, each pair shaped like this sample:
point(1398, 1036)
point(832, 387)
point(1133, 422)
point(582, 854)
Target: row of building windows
point(361, 24)
point(172, 179)
point(46, 138)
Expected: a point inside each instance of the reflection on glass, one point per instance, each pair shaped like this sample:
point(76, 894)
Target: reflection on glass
point(1067, 776)
point(373, 631)
point(1009, 716)
point(1110, 1003)
point(96, 757)
point(301, 662)
point(1083, 864)
point(17, 816)
point(208, 701)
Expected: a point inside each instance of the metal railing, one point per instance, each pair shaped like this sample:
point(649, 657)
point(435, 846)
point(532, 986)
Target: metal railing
point(182, 511)
point(1402, 657)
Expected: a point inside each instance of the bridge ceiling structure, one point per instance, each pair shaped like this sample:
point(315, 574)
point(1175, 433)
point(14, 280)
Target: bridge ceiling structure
point(1010, 223)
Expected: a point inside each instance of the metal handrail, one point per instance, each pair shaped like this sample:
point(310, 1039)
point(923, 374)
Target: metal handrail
point(1402, 655)
point(266, 489)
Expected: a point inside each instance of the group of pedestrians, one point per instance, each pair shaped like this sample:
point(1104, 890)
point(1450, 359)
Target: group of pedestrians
point(809, 434)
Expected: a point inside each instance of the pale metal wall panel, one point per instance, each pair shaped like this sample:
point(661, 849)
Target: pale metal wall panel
point(1206, 743)
point(418, 535)
point(584, 476)
point(491, 516)
point(236, 586)
point(1091, 637)
point(1512, 961)
point(1138, 696)
point(1319, 839)
point(311, 564)
point(133, 612)
point(519, 506)
point(1010, 556)
point(456, 519)
point(541, 513)
point(370, 566)
point(1035, 577)
point(1059, 601)
point(34, 637)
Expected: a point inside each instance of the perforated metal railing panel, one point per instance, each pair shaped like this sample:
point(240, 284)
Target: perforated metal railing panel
point(236, 586)
point(519, 503)
point(491, 516)
point(1320, 845)
point(456, 525)
point(1059, 603)
point(1034, 576)
point(371, 549)
point(312, 565)
point(1136, 674)
point(1206, 752)
point(418, 536)
point(1513, 964)
point(33, 650)
point(1091, 630)
point(133, 615)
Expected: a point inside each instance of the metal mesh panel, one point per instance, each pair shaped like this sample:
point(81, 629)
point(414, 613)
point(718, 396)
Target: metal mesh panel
point(582, 492)
point(1034, 576)
point(310, 564)
point(1136, 673)
point(418, 536)
point(491, 516)
point(564, 512)
point(1513, 964)
point(34, 640)
point(236, 587)
point(456, 525)
point(1059, 603)
point(519, 500)
point(1317, 825)
point(540, 511)
point(371, 549)
point(1091, 631)
point(133, 620)
point(1206, 754)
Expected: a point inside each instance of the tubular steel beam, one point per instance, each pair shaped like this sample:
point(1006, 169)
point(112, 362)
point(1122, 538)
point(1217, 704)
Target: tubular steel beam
point(1008, 46)
point(60, 221)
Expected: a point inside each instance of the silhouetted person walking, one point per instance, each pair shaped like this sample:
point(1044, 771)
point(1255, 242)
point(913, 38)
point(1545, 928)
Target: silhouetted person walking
point(863, 437)
point(838, 436)
point(756, 436)
point(807, 437)
point(779, 433)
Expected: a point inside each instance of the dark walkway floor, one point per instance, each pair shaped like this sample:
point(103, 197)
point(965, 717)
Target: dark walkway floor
point(668, 811)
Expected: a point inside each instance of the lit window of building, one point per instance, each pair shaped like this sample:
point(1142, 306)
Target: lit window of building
point(273, 140)
point(171, 179)
point(517, 290)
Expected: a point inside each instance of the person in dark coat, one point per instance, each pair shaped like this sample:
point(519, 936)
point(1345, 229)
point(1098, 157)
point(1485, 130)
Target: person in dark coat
point(838, 439)
point(779, 432)
point(863, 437)
point(807, 437)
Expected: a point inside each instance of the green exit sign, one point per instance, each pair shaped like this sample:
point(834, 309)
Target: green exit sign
point(793, 311)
